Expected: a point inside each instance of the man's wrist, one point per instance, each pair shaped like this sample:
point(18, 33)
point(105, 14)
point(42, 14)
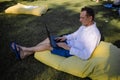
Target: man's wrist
point(68, 48)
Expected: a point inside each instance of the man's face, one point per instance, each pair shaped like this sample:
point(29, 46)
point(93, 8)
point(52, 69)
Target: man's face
point(85, 19)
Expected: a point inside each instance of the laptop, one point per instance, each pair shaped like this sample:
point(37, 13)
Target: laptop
point(51, 38)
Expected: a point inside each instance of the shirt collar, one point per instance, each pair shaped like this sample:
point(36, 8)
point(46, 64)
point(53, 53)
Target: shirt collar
point(88, 27)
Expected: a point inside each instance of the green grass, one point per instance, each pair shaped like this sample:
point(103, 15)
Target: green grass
point(28, 30)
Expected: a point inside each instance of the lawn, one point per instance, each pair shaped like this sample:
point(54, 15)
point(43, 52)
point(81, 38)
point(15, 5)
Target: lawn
point(28, 30)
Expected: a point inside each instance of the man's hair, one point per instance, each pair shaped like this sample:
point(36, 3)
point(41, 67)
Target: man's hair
point(89, 11)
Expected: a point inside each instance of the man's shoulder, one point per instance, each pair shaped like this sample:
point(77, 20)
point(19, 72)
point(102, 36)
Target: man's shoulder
point(95, 31)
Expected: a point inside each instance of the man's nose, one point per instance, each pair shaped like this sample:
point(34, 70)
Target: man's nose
point(80, 19)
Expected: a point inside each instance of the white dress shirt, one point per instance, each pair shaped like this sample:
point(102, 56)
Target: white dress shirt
point(83, 41)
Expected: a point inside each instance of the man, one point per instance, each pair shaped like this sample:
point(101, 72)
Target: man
point(116, 2)
point(81, 43)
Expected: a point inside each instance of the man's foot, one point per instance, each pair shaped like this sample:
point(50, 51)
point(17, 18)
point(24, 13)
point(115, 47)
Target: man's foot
point(15, 49)
point(19, 51)
point(23, 53)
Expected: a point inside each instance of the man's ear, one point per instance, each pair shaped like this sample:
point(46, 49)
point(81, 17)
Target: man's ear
point(90, 18)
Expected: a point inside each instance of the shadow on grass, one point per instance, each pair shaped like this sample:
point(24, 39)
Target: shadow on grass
point(117, 43)
point(29, 30)
point(108, 22)
point(6, 4)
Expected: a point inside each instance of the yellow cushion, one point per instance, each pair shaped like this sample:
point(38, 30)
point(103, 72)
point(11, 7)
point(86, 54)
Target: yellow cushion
point(102, 50)
point(50, 59)
point(24, 9)
point(74, 66)
point(103, 64)
point(108, 57)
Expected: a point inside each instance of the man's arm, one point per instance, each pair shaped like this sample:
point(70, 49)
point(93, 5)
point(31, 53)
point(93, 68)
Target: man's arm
point(60, 39)
point(63, 45)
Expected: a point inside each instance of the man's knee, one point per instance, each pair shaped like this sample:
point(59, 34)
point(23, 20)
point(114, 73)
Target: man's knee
point(48, 46)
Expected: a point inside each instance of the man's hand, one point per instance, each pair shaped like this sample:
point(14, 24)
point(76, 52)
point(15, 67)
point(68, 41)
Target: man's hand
point(60, 39)
point(63, 45)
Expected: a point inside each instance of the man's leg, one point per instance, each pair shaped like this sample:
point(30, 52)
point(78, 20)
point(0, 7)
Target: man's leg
point(26, 51)
point(44, 45)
